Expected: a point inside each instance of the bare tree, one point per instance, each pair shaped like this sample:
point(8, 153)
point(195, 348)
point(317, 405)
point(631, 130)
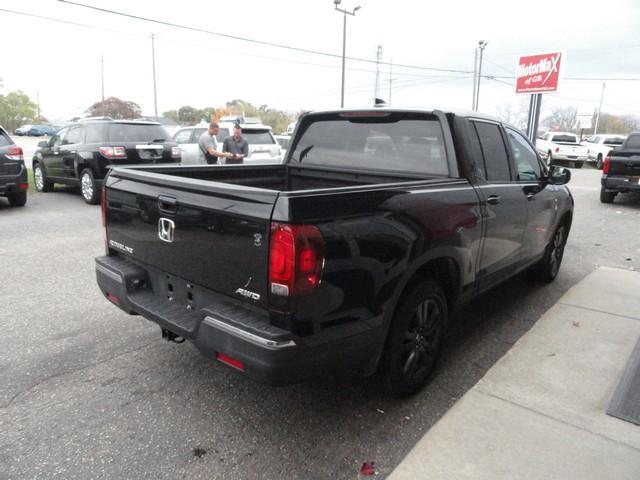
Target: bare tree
point(115, 108)
point(563, 119)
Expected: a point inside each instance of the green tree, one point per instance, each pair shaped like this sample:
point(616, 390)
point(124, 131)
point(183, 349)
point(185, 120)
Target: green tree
point(16, 109)
point(172, 114)
point(115, 108)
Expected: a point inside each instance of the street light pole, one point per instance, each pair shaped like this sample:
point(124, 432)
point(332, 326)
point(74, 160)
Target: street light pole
point(481, 45)
point(153, 65)
point(595, 130)
point(344, 41)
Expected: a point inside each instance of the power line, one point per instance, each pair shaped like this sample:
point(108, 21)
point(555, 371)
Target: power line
point(254, 41)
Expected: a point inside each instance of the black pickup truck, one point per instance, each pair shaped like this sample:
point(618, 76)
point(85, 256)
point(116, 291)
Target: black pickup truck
point(621, 170)
point(352, 255)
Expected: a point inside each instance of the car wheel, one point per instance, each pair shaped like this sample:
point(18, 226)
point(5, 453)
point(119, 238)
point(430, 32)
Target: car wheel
point(88, 187)
point(546, 270)
point(599, 163)
point(40, 179)
point(607, 197)
point(415, 339)
point(18, 199)
point(578, 164)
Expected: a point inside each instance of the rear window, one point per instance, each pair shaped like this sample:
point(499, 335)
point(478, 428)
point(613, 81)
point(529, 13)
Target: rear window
point(4, 139)
point(397, 142)
point(613, 141)
point(565, 138)
point(258, 137)
point(128, 132)
point(633, 142)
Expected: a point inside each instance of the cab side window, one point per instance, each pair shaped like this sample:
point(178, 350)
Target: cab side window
point(525, 158)
point(75, 135)
point(494, 151)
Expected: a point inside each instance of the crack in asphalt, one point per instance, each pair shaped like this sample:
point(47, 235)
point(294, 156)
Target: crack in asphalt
point(67, 372)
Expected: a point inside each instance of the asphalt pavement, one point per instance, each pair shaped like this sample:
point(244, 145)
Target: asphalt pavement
point(90, 392)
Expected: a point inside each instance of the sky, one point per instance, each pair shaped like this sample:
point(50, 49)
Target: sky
point(61, 62)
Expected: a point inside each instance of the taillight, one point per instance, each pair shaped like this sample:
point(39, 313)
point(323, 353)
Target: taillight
point(176, 152)
point(23, 186)
point(606, 164)
point(296, 259)
point(104, 217)
point(557, 149)
point(113, 152)
point(14, 152)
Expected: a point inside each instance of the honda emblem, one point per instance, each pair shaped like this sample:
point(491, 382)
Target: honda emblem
point(166, 228)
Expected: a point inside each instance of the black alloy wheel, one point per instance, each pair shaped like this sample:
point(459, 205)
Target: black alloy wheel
point(415, 339)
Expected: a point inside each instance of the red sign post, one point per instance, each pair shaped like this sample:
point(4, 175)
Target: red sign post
point(538, 73)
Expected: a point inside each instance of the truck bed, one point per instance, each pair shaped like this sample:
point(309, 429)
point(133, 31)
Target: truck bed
point(280, 178)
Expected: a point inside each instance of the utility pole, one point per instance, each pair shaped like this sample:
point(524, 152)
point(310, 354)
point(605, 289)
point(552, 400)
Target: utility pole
point(102, 74)
point(344, 41)
point(475, 78)
point(390, 78)
point(153, 64)
point(595, 129)
point(482, 44)
point(376, 89)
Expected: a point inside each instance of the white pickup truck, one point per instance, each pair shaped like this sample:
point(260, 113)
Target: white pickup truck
point(600, 145)
point(562, 147)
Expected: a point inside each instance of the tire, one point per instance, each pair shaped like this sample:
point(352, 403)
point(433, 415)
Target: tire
point(599, 162)
point(607, 197)
point(40, 179)
point(546, 270)
point(18, 199)
point(415, 339)
point(578, 164)
point(88, 188)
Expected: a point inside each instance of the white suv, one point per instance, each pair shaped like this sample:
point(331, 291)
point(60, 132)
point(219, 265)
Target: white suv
point(263, 147)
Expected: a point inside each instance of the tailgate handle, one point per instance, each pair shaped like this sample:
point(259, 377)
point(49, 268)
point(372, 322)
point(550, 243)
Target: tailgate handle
point(167, 204)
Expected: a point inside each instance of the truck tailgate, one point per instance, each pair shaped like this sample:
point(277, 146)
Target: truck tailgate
point(215, 236)
point(625, 163)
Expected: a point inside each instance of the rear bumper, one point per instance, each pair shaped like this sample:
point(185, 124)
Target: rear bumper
point(219, 325)
point(620, 184)
point(10, 183)
point(569, 157)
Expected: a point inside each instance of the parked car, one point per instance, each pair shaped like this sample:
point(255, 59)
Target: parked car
point(41, 130)
point(338, 259)
point(82, 153)
point(263, 147)
point(599, 147)
point(13, 174)
point(283, 141)
point(621, 169)
point(23, 130)
point(558, 147)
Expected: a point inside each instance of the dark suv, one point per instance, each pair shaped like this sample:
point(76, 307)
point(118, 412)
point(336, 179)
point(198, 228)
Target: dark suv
point(81, 154)
point(13, 174)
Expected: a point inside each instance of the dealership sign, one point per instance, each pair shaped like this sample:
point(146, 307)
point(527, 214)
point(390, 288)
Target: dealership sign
point(538, 73)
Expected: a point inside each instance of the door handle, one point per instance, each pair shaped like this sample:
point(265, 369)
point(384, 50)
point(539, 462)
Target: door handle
point(493, 200)
point(530, 196)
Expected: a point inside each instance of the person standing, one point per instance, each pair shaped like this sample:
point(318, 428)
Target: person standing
point(209, 145)
point(237, 145)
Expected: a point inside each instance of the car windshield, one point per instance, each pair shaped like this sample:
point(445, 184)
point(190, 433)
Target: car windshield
point(376, 141)
point(565, 138)
point(129, 132)
point(633, 142)
point(613, 140)
point(258, 137)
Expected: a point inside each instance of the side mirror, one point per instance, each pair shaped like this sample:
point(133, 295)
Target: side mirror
point(559, 175)
point(42, 144)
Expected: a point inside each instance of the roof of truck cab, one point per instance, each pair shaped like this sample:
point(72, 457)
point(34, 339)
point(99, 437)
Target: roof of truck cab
point(458, 112)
